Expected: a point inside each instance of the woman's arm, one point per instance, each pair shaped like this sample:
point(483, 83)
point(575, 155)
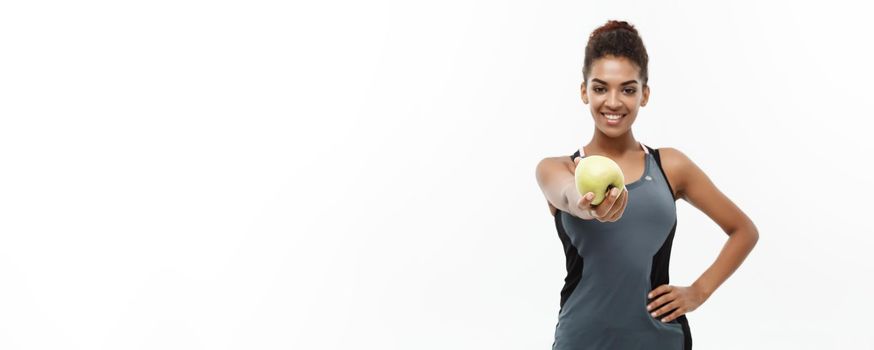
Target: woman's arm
point(696, 188)
point(555, 176)
point(691, 184)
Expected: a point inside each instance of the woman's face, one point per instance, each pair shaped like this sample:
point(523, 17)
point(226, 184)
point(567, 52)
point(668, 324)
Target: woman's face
point(614, 89)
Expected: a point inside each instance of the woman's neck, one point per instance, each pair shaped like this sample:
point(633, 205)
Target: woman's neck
point(612, 147)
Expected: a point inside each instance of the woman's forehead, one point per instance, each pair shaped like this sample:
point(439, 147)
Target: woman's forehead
point(614, 69)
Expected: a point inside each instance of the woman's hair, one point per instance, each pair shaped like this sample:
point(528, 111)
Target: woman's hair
point(620, 39)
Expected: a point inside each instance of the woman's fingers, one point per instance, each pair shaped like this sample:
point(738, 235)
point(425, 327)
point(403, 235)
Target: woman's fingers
point(585, 206)
point(666, 309)
point(618, 207)
point(677, 313)
point(586, 202)
point(624, 204)
point(662, 289)
point(606, 208)
point(664, 293)
point(609, 210)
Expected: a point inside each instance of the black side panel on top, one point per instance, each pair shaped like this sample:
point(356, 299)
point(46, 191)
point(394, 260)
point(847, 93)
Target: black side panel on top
point(573, 262)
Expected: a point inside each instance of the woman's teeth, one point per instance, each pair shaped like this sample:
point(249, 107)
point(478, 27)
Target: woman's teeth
point(612, 116)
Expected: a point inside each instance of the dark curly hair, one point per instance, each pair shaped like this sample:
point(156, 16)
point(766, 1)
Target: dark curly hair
point(620, 39)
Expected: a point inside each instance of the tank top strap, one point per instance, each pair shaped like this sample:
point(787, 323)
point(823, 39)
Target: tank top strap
point(655, 155)
point(646, 149)
point(658, 160)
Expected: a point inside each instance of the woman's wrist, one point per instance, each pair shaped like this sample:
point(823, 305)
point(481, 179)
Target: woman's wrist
point(704, 291)
point(571, 195)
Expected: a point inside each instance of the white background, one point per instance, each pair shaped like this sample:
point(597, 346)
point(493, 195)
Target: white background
point(360, 175)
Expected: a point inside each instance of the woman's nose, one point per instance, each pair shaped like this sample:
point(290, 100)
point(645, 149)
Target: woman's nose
point(613, 100)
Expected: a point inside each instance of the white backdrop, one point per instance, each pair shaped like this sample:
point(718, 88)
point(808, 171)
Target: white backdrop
point(360, 175)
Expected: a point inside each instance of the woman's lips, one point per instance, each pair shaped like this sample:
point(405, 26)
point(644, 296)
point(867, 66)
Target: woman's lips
point(613, 121)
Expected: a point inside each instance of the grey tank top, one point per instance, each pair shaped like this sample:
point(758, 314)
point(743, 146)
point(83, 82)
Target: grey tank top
point(612, 266)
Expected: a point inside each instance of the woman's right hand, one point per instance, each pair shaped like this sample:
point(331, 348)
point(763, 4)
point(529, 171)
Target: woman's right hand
point(609, 210)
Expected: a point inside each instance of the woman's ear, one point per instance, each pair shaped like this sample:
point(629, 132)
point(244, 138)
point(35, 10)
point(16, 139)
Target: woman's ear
point(583, 94)
point(645, 96)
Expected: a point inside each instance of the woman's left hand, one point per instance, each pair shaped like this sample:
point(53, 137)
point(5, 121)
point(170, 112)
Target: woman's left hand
point(679, 299)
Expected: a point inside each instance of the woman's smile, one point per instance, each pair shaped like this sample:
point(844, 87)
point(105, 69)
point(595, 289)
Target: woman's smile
point(613, 118)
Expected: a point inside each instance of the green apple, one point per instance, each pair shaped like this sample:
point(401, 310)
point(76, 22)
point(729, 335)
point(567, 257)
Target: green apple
point(598, 174)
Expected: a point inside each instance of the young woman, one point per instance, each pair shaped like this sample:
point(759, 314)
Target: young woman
point(617, 294)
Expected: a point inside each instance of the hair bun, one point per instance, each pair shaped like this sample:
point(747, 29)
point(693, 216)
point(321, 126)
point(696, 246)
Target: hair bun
point(620, 39)
point(612, 25)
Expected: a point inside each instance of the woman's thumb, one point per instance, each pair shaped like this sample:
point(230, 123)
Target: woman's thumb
point(588, 197)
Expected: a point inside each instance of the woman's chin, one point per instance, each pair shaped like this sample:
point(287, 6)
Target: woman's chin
point(612, 131)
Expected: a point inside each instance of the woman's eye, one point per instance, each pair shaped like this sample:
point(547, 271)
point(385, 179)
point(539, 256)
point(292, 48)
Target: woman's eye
point(630, 91)
point(599, 89)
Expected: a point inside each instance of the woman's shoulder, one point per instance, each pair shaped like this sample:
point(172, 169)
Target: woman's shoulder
point(676, 166)
point(671, 153)
point(565, 160)
point(673, 157)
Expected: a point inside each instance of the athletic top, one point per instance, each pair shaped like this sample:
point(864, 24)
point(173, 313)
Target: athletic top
point(612, 266)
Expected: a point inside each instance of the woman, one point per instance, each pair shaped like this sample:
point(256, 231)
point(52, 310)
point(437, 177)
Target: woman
point(617, 294)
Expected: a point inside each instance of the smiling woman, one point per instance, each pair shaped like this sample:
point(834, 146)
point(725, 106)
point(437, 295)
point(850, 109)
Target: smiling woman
point(617, 293)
